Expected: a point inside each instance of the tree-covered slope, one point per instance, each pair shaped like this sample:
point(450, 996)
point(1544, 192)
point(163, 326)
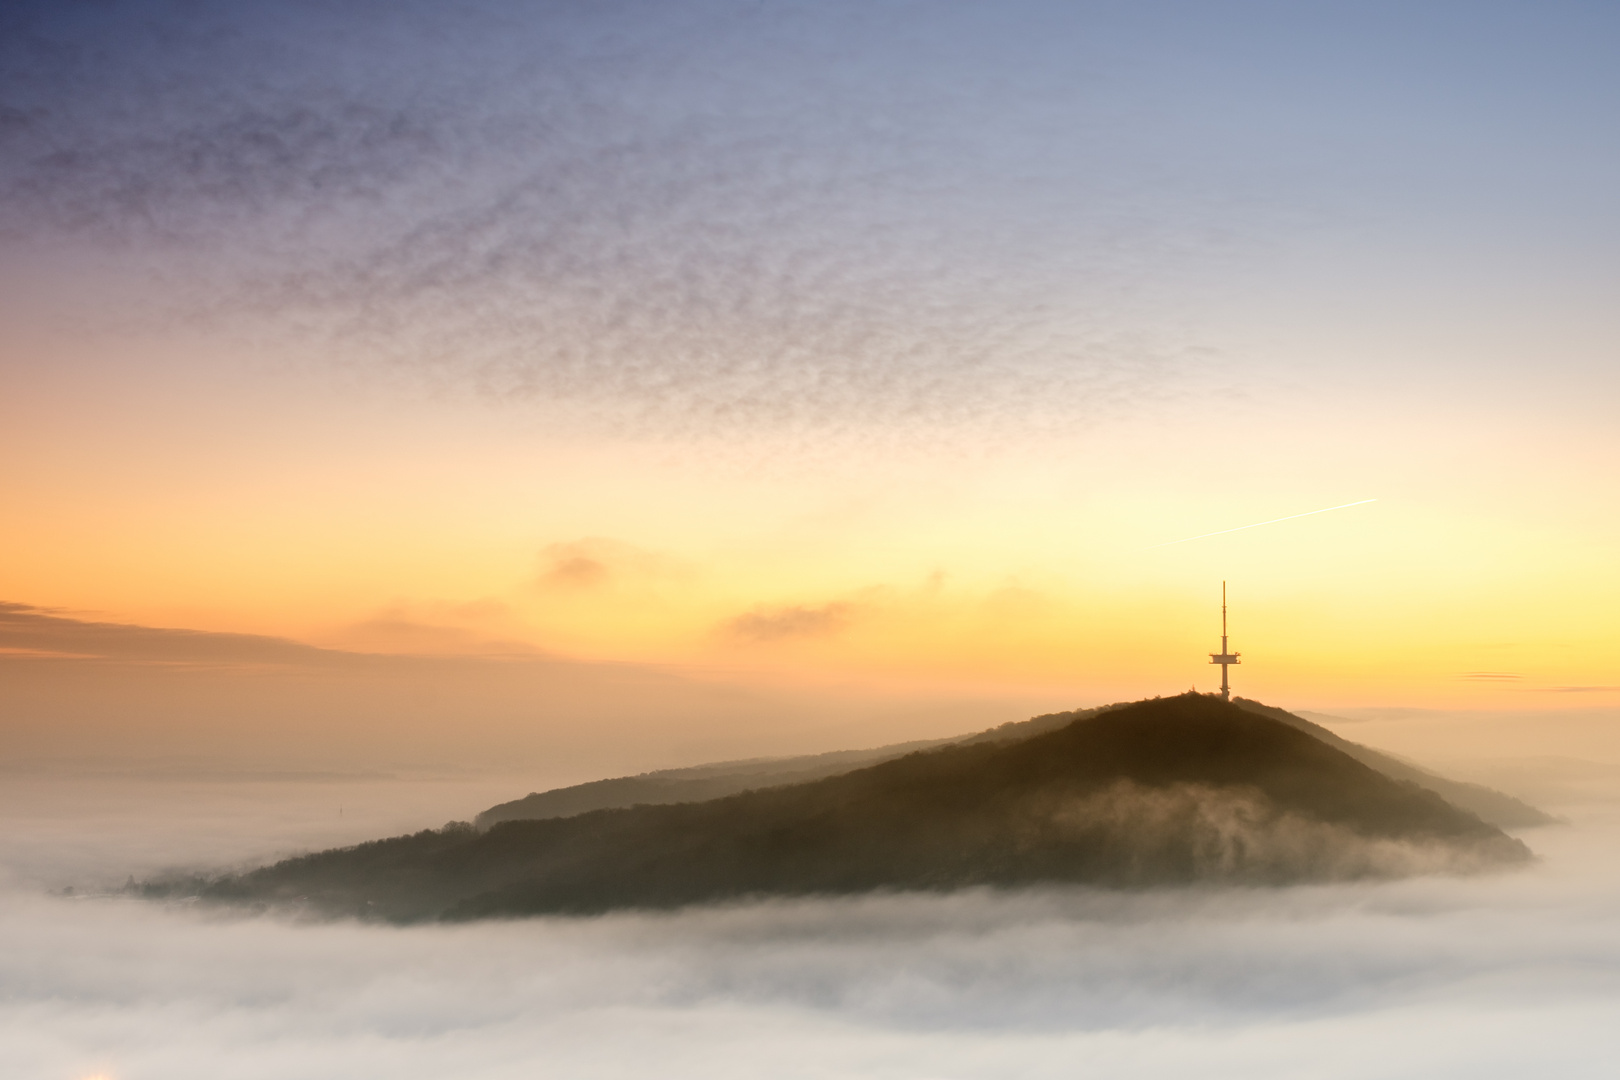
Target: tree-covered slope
point(1168, 791)
point(1494, 806)
point(702, 782)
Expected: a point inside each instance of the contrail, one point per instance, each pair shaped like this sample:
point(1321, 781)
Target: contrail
point(1256, 525)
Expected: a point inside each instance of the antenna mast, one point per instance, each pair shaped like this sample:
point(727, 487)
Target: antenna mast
point(1225, 657)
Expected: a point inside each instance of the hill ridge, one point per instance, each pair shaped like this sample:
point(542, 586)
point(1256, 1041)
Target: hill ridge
point(1168, 791)
point(698, 783)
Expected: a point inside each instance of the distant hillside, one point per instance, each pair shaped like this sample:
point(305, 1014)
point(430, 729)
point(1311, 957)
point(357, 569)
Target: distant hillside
point(703, 782)
point(1163, 792)
point(695, 784)
point(1501, 810)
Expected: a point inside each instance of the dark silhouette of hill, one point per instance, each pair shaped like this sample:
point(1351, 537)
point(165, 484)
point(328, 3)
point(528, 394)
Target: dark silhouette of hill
point(1496, 807)
point(1163, 792)
point(694, 784)
point(701, 782)
point(698, 783)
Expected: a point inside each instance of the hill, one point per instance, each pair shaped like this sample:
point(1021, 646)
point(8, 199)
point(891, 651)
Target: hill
point(1163, 792)
point(1498, 808)
point(701, 782)
point(695, 784)
point(714, 781)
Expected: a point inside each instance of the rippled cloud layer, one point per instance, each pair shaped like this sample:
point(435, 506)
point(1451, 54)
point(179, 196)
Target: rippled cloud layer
point(716, 216)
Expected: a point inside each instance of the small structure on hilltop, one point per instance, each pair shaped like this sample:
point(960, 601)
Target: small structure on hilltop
point(1225, 657)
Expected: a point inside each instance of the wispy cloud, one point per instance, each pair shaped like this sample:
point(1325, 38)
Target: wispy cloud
point(784, 622)
point(480, 628)
point(596, 562)
point(25, 629)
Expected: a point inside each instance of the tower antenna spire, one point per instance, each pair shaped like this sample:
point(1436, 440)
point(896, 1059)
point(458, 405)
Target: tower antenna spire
point(1226, 658)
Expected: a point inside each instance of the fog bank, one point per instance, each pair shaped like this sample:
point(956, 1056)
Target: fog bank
point(1495, 975)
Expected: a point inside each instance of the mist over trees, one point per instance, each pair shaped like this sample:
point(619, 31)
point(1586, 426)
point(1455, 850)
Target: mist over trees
point(1165, 792)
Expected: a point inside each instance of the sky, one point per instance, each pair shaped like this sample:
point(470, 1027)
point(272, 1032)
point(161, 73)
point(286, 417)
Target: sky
point(624, 384)
point(405, 406)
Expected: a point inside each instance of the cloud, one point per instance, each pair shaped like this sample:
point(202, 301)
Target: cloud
point(596, 562)
point(782, 622)
point(417, 631)
point(1482, 976)
point(1233, 833)
point(671, 220)
point(441, 629)
point(574, 571)
point(192, 152)
point(1487, 977)
point(44, 632)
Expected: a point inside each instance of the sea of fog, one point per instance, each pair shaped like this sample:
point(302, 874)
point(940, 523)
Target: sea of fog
point(1509, 975)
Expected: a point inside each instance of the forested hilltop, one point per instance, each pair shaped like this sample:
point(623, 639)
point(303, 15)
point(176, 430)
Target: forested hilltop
point(701, 782)
point(1171, 791)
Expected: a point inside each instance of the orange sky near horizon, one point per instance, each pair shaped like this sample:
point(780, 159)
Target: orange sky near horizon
point(272, 501)
point(826, 352)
